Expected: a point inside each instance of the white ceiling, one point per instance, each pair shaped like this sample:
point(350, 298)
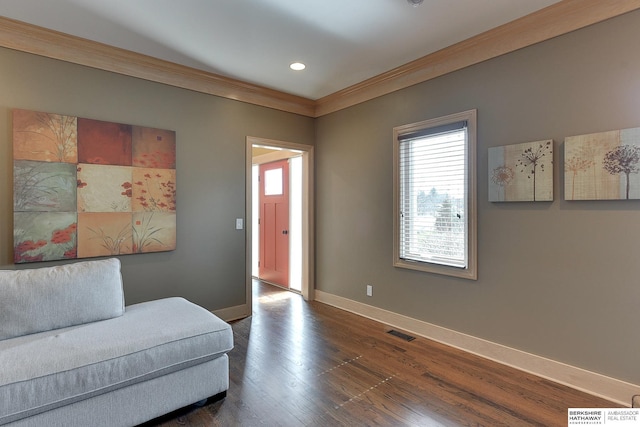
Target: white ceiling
point(342, 42)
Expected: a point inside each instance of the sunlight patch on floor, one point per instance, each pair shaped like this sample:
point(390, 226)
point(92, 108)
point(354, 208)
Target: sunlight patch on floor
point(280, 296)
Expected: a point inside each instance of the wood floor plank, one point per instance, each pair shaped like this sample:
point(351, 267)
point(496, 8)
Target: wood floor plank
point(309, 364)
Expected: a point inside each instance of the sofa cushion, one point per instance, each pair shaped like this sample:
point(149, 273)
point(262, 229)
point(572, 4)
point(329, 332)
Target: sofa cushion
point(42, 299)
point(56, 368)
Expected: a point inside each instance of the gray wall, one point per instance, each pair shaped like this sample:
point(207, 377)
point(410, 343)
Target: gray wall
point(556, 279)
point(208, 266)
point(559, 279)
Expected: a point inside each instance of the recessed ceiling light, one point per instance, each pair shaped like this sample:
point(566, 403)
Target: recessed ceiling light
point(297, 66)
point(415, 3)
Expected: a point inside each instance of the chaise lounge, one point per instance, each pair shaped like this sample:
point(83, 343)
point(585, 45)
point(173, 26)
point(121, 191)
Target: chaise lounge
point(72, 354)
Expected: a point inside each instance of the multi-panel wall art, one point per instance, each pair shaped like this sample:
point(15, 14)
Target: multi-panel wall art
point(87, 188)
point(602, 166)
point(521, 172)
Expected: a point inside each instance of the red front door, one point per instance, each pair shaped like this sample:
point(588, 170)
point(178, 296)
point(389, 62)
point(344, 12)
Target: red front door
point(274, 223)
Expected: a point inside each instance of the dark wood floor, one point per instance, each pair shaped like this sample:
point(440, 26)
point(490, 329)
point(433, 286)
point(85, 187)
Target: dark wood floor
point(309, 364)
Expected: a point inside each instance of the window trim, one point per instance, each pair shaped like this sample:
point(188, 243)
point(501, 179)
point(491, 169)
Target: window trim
point(471, 270)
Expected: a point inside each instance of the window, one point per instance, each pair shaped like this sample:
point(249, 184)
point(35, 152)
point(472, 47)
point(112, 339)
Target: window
point(435, 195)
point(273, 182)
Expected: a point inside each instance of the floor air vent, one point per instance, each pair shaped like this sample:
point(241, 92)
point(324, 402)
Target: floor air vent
point(401, 335)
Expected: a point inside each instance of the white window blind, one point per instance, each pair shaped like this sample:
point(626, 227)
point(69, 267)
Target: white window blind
point(433, 221)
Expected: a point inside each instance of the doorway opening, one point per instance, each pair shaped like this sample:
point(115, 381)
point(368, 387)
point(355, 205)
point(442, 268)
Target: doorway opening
point(298, 232)
point(276, 221)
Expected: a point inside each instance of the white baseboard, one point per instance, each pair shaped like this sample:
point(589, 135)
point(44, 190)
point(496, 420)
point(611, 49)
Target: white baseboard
point(233, 313)
point(593, 383)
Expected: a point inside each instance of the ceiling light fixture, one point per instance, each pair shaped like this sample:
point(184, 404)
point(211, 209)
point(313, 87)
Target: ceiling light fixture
point(297, 66)
point(415, 3)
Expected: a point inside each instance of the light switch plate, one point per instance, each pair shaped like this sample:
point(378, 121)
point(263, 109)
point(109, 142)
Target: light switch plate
point(239, 223)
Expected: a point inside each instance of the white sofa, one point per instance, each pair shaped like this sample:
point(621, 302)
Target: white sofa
point(72, 354)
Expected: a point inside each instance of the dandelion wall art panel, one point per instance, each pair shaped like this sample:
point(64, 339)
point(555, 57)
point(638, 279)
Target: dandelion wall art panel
point(521, 172)
point(87, 188)
point(602, 166)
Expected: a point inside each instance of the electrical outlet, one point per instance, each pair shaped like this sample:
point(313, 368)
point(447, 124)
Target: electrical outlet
point(369, 290)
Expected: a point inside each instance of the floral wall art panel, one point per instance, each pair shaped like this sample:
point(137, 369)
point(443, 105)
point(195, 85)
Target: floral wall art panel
point(154, 207)
point(87, 188)
point(154, 148)
point(44, 137)
point(44, 236)
point(104, 143)
point(44, 186)
point(521, 172)
point(602, 166)
point(154, 190)
point(153, 231)
point(104, 188)
point(104, 234)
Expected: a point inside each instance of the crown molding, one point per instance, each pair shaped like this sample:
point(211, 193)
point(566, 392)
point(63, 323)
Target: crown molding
point(555, 20)
point(29, 38)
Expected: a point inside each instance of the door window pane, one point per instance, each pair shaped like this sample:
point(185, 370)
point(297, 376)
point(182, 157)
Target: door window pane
point(273, 182)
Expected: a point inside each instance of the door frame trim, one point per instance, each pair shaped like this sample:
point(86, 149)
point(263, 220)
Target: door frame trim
point(308, 224)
